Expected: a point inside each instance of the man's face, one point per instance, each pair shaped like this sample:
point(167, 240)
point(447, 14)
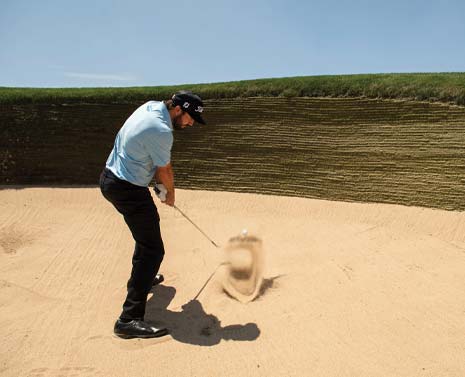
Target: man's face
point(182, 120)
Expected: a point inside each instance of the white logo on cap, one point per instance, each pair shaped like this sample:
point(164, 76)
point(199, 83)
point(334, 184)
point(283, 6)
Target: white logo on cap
point(199, 109)
point(186, 105)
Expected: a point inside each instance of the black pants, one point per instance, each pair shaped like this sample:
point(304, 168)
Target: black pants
point(140, 214)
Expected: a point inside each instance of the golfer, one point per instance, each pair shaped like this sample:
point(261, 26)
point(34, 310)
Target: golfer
point(141, 151)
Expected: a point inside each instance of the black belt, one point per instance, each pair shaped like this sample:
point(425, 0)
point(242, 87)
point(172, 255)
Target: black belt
point(108, 173)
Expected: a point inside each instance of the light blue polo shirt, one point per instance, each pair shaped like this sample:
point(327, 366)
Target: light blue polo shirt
point(142, 144)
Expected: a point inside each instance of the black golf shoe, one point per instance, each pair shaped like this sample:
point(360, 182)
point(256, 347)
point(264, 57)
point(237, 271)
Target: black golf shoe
point(138, 329)
point(159, 278)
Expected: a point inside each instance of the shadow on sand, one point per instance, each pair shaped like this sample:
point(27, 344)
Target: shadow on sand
point(193, 325)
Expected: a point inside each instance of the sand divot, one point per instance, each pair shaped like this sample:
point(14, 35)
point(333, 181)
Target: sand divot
point(13, 238)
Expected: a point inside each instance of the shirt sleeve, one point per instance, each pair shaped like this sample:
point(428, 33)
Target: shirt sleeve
point(158, 146)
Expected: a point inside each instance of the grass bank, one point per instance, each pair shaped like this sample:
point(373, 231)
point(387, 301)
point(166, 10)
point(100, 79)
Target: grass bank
point(433, 87)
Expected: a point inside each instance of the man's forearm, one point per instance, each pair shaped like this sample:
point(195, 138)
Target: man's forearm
point(165, 175)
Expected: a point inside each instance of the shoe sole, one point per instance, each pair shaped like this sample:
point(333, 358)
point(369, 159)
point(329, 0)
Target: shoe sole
point(126, 336)
point(131, 343)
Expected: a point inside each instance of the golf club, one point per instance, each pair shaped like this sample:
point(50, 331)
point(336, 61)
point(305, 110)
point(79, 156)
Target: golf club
point(200, 230)
point(161, 191)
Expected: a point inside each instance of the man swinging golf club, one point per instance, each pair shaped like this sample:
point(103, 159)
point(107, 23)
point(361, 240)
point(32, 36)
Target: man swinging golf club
point(142, 149)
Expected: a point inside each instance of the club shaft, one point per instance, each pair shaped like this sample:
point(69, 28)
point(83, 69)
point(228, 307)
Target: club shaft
point(200, 230)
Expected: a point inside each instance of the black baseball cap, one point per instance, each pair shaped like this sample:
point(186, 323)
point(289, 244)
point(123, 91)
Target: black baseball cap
point(190, 103)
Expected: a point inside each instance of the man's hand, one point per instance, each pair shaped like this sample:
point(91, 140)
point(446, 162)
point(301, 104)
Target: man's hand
point(161, 191)
point(163, 194)
point(164, 175)
point(169, 198)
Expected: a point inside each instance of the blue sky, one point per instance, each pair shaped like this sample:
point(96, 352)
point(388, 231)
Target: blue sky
point(51, 43)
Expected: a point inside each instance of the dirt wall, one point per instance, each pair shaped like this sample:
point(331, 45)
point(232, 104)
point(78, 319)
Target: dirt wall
point(339, 149)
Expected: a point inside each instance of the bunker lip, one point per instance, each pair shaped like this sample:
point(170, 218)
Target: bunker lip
point(345, 149)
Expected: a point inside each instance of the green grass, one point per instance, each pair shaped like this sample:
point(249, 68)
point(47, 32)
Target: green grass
point(434, 87)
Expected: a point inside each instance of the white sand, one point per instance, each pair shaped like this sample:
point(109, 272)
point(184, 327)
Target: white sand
point(350, 289)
